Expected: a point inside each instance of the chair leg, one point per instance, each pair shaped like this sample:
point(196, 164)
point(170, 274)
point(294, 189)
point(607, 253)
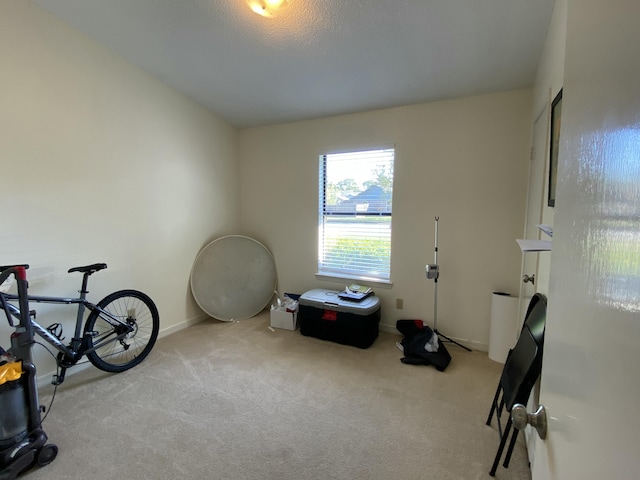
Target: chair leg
point(503, 441)
point(494, 405)
point(512, 444)
point(499, 415)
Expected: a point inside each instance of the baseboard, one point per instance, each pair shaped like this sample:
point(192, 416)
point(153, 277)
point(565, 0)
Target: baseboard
point(388, 328)
point(479, 346)
point(182, 325)
point(45, 378)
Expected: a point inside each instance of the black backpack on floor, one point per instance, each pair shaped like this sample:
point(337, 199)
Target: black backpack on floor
point(416, 337)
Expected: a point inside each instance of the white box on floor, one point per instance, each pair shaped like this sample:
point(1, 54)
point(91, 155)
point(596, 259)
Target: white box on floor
point(284, 320)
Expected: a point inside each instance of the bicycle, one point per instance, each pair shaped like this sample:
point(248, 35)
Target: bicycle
point(119, 332)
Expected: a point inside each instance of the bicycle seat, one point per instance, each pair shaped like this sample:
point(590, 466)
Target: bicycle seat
point(96, 267)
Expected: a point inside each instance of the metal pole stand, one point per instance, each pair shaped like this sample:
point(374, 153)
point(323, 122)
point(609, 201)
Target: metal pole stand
point(433, 272)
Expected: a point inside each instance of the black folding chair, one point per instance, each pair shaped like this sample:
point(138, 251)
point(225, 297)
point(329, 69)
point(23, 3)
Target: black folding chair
point(521, 370)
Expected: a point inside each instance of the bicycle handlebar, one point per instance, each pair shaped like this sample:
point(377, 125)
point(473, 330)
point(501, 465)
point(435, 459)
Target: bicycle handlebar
point(17, 270)
point(20, 272)
point(4, 267)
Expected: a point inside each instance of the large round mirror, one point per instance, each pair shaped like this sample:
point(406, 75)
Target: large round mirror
point(233, 278)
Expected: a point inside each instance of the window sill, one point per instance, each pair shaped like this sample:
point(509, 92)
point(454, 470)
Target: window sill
point(354, 279)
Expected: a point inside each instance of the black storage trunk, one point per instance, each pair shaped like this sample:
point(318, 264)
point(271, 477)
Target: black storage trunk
point(322, 314)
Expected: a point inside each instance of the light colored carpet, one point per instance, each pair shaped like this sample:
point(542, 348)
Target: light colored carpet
point(236, 401)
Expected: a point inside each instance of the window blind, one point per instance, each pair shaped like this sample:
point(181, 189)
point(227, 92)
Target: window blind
point(356, 192)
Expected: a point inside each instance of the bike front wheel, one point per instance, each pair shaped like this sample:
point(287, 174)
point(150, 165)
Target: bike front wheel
point(113, 348)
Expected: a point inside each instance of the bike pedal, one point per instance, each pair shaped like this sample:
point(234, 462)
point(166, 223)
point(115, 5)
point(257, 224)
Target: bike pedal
point(59, 378)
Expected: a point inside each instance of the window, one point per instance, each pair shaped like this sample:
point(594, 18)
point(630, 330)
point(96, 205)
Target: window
point(356, 191)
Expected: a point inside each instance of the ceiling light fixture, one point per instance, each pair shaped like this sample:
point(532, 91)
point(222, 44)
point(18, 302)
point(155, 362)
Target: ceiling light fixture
point(267, 8)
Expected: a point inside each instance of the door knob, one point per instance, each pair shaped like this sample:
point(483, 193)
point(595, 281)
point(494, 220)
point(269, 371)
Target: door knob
point(537, 420)
point(527, 278)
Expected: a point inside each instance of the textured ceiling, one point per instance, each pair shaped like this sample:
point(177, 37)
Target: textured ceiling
point(319, 57)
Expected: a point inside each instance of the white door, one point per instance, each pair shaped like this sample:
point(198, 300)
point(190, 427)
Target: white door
point(590, 382)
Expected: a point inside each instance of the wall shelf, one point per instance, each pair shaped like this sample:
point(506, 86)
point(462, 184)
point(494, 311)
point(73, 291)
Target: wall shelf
point(534, 245)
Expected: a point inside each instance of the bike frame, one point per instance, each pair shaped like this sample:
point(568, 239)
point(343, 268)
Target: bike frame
point(27, 325)
point(76, 342)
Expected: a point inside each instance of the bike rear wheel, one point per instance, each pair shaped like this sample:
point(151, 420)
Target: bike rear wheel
point(117, 355)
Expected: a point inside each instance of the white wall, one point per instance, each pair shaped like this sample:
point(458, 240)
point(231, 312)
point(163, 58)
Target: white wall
point(463, 160)
point(103, 163)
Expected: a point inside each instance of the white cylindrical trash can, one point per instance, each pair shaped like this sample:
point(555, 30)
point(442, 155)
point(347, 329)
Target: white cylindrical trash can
point(503, 332)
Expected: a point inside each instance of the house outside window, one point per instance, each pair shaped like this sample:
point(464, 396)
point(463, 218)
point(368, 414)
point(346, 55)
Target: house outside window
point(355, 210)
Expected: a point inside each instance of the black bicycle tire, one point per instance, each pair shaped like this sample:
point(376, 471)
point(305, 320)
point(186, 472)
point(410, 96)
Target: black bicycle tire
point(97, 358)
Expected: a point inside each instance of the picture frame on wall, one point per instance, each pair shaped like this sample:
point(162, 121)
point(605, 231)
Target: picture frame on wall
point(554, 145)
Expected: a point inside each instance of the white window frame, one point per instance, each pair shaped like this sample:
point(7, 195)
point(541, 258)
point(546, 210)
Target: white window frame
point(370, 208)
